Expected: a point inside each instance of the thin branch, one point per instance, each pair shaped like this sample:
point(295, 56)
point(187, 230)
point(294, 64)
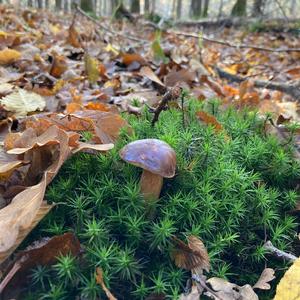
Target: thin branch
point(290, 89)
point(279, 253)
point(238, 46)
point(107, 29)
point(171, 94)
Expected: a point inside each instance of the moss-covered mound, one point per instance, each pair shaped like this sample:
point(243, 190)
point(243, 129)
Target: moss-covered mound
point(232, 189)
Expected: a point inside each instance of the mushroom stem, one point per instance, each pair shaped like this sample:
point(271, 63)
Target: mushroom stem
point(151, 185)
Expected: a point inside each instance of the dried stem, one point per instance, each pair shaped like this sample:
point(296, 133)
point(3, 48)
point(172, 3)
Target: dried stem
point(279, 253)
point(238, 46)
point(171, 94)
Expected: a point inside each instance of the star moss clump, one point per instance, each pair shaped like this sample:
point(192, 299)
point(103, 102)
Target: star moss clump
point(232, 189)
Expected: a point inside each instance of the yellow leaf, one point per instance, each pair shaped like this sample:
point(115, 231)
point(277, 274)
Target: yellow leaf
point(110, 48)
point(91, 68)
point(8, 56)
point(289, 287)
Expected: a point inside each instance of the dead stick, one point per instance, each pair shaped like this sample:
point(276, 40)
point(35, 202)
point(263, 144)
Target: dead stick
point(171, 94)
point(107, 29)
point(279, 253)
point(291, 89)
point(238, 46)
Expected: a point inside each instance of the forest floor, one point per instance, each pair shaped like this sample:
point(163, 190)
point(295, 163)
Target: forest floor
point(61, 76)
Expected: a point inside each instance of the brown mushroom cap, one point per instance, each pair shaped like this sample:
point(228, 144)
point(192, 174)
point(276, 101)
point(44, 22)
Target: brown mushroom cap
point(152, 155)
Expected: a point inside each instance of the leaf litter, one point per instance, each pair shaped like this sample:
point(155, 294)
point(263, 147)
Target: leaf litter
point(62, 77)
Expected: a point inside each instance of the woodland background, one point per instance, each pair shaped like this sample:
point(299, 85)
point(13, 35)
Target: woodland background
point(178, 9)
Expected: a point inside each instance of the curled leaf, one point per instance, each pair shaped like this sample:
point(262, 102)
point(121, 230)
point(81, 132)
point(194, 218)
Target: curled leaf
point(193, 257)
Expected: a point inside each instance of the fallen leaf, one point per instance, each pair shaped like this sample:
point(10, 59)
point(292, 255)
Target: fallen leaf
point(289, 287)
point(209, 120)
point(58, 66)
point(22, 102)
point(266, 276)
point(147, 72)
point(19, 214)
point(43, 210)
point(8, 56)
point(193, 295)
point(44, 252)
point(91, 68)
point(73, 37)
point(193, 257)
point(130, 58)
point(183, 76)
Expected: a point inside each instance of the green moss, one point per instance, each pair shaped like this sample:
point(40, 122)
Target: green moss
point(231, 189)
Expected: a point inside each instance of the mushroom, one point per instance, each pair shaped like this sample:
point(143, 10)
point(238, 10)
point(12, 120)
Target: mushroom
point(156, 158)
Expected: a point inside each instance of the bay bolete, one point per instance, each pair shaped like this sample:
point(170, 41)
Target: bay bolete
point(156, 158)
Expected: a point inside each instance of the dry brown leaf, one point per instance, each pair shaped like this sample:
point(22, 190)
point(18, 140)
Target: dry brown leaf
point(183, 76)
point(43, 210)
point(8, 56)
point(193, 257)
point(44, 252)
point(209, 120)
point(213, 84)
point(229, 291)
point(19, 214)
point(147, 72)
point(266, 276)
point(73, 37)
point(100, 281)
point(58, 66)
point(130, 58)
point(97, 147)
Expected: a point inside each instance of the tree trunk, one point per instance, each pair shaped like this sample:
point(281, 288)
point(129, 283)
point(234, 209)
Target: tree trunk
point(153, 7)
point(239, 9)
point(205, 9)
point(66, 5)
point(293, 7)
point(58, 4)
point(147, 6)
point(178, 9)
point(40, 3)
point(220, 9)
point(258, 7)
point(196, 8)
point(30, 3)
point(135, 6)
point(87, 5)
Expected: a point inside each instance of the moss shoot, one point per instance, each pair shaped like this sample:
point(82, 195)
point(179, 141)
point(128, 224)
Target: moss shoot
point(231, 189)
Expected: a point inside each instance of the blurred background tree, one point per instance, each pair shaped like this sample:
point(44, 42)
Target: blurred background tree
point(177, 9)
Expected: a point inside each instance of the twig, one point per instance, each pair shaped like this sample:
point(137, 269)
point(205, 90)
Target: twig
point(290, 89)
point(279, 253)
point(171, 94)
point(238, 46)
point(107, 29)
